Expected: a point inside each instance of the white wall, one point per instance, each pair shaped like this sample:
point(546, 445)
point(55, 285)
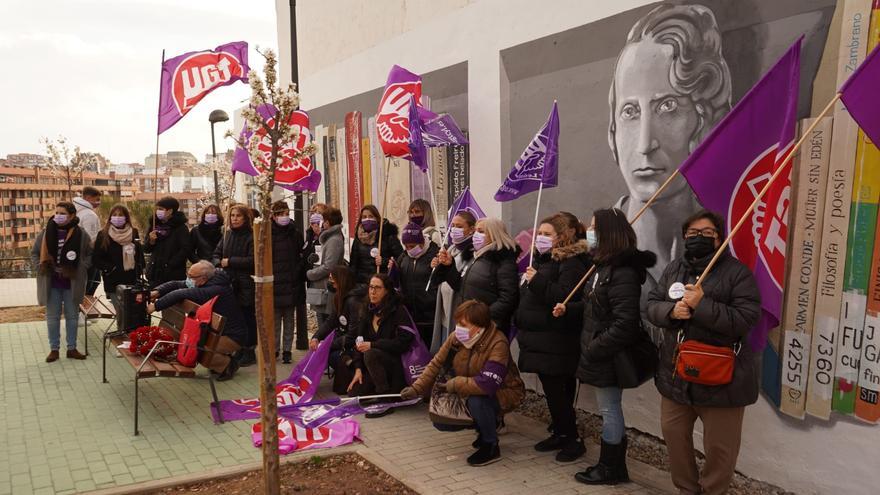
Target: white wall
point(347, 50)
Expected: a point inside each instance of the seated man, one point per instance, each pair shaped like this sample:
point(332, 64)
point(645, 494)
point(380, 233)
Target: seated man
point(203, 282)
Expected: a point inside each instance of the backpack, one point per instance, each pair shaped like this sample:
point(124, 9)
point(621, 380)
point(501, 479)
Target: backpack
point(196, 326)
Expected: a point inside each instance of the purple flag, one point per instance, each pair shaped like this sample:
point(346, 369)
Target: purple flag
point(464, 202)
point(538, 164)
point(392, 119)
point(734, 163)
point(298, 388)
point(321, 415)
point(441, 130)
point(188, 78)
point(293, 436)
point(293, 175)
point(418, 152)
point(861, 96)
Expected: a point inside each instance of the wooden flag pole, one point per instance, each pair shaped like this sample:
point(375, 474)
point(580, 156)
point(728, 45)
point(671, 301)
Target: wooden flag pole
point(158, 114)
point(766, 188)
point(384, 205)
point(535, 226)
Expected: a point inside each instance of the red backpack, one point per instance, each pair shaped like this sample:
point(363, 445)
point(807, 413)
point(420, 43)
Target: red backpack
point(196, 326)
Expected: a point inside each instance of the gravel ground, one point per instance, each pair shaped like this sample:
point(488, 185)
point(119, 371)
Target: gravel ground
point(642, 446)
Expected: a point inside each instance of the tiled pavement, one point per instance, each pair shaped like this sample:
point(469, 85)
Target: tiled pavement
point(63, 431)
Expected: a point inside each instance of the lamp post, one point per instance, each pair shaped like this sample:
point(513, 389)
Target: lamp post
point(216, 116)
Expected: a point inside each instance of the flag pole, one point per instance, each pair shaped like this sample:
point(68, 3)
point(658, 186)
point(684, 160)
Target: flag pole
point(158, 114)
point(760, 195)
point(384, 204)
point(535, 227)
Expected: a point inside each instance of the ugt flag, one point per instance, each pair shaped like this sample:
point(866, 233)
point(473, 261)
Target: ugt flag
point(417, 149)
point(734, 163)
point(861, 96)
point(465, 202)
point(538, 164)
point(392, 120)
point(188, 78)
point(291, 174)
point(429, 130)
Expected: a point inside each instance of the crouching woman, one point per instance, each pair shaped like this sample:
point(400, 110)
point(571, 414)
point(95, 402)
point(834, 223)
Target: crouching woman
point(477, 356)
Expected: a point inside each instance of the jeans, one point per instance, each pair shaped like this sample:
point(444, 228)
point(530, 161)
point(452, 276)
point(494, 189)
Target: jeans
point(61, 300)
point(484, 410)
point(559, 391)
point(613, 427)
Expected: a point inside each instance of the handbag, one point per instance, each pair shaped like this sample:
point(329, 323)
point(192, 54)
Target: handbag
point(638, 363)
point(444, 407)
point(706, 364)
point(316, 296)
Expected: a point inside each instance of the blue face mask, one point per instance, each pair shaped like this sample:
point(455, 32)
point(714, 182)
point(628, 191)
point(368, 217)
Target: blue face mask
point(190, 283)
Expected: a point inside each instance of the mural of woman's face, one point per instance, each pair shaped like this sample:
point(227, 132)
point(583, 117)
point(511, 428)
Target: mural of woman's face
point(654, 123)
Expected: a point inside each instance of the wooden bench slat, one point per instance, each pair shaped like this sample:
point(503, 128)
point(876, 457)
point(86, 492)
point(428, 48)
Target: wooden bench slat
point(163, 368)
point(183, 370)
point(135, 361)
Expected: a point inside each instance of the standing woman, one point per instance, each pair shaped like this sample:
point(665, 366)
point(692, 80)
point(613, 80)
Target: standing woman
point(203, 238)
point(492, 278)
point(167, 243)
point(461, 253)
point(287, 245)
point(235, 255)
point(420, 213)
point(332, 242)
point(365, 255)
point(549, 346)
point(313, 233)
point(118, 253)
point(612, 324)
point(414, 266)
point(62, 252)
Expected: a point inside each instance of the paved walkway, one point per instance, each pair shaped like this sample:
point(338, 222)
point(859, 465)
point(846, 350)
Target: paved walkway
point(63, 431)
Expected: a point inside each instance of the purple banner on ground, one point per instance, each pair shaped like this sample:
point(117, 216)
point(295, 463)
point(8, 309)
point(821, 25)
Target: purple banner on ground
point(538, 164)
point(292, 436)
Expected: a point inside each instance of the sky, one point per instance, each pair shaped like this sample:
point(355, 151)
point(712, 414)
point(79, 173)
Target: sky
point(89, 70)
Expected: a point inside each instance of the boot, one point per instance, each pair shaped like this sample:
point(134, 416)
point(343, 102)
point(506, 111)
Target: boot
point(286, 357)
point(611, 468)
point(75, 354)
point(551, 443)
point(572, 449)
point(486, 454)
point(248, 357)
point(52, 357)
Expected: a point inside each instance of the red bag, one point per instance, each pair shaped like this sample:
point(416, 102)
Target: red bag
point(705, 364)
point(195, 330)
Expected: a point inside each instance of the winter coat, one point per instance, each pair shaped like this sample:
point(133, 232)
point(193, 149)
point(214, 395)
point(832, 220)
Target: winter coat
point(227, 305)
point(109, 261)
point(345, 323)
point(389, 337)
point(730, 308)
point(332, 243)
point(169, 254)
point(549, 345)
point(414, 275)
point(610, 309)
point(77, 283)
point(201, 242)
point(492, 278)
point(485, 369)
point(88, 218)
point(361, 261)
point(238, 246)
point(289, 284)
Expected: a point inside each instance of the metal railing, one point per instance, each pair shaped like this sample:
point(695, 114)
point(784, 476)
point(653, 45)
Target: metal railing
point(16, 267)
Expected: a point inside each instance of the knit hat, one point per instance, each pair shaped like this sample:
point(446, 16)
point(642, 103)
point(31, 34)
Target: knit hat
point(412, 234)
point(168, 203)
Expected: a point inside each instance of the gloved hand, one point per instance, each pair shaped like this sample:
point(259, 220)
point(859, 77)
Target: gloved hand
point(408, 393)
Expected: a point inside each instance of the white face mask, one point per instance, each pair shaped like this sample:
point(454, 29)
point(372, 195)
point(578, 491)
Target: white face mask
point(591, 239)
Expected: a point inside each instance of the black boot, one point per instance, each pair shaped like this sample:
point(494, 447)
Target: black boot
point(248, 357)
point(611, 468)
point(551, 443)
point(572, 449)
point(486, 454)
point(285, 357)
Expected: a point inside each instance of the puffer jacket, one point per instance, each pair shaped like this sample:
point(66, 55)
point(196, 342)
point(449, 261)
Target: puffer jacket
point(345, 322)
point(730, 308)
point(549, 345)
point(289, 284)
point(361, 261)
point(203, 239)
point(414, 275)
point(492, 278)
point(238, 246)
point(485, 369)
point(612, 320)
point(169, 254)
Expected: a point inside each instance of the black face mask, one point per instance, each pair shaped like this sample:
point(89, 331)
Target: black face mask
point(331, 288)
point(698, 247)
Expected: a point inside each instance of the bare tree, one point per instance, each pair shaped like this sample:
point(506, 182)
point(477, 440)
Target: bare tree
point(66, 164)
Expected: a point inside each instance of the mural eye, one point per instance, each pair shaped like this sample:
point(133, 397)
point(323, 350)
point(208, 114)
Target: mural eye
point(668, 105)
point(629, 112)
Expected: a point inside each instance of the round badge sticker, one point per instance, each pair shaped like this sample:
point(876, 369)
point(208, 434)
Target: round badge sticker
point(343, 320)
point(71, 255)
point(374, 252)
point(676, 291)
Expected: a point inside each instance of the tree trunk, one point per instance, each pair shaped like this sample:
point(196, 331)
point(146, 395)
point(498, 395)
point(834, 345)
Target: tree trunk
point(266, 355)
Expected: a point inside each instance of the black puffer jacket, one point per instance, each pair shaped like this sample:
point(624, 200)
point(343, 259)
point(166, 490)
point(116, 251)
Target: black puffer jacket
point(730, 307)
point(176, 291)
point(287, 261)
point(109, 261)
point(362, 264)
point(491, 278)
point(238, 246)
point(390, 337)
point(612, 321)
point(414, 275)
point(203, 239)
point(345, 322)
point(169, 254)
point(549, 345)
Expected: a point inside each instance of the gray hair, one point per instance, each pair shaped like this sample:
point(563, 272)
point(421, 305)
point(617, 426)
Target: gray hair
point(205, 267)
point(698, 68)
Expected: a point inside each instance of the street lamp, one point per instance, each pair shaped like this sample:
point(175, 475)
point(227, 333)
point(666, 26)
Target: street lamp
point(216, 116)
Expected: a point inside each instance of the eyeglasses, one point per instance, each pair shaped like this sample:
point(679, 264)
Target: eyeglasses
point(707, 232)
point(376, 287)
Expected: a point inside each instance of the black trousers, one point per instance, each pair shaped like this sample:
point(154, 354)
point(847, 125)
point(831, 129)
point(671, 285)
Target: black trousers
point(383, 374)
point(559, 392)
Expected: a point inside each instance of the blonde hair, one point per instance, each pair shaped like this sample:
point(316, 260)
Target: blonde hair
point(496, 233)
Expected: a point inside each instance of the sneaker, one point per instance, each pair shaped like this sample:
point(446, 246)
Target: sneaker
point(551, 443)
point(572, 450)
point(379, 414)
point(52, 357)
point(286, 357)
point(485, 455)
point(75, 354)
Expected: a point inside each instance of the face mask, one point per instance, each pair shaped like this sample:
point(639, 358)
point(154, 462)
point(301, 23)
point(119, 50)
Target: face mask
point(415, 252)
point(369, 224)
point(417, 219)
point(211, 218)
point(331, 288)
point(190, 283)
point(160, 214)
point(60, 219)
point(698, 247)
point(479, 240)
point(462, 334)
point(543, 243)
point(457, 235)
point(282, 221)
point(117, 221)
point(591, 239)
point(316, 218)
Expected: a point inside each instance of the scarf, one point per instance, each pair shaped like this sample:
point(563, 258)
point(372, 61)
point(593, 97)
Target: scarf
point(162, 229)
point(123, 237)
point(473, 340)
point(58, 254)
point(367, 239)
